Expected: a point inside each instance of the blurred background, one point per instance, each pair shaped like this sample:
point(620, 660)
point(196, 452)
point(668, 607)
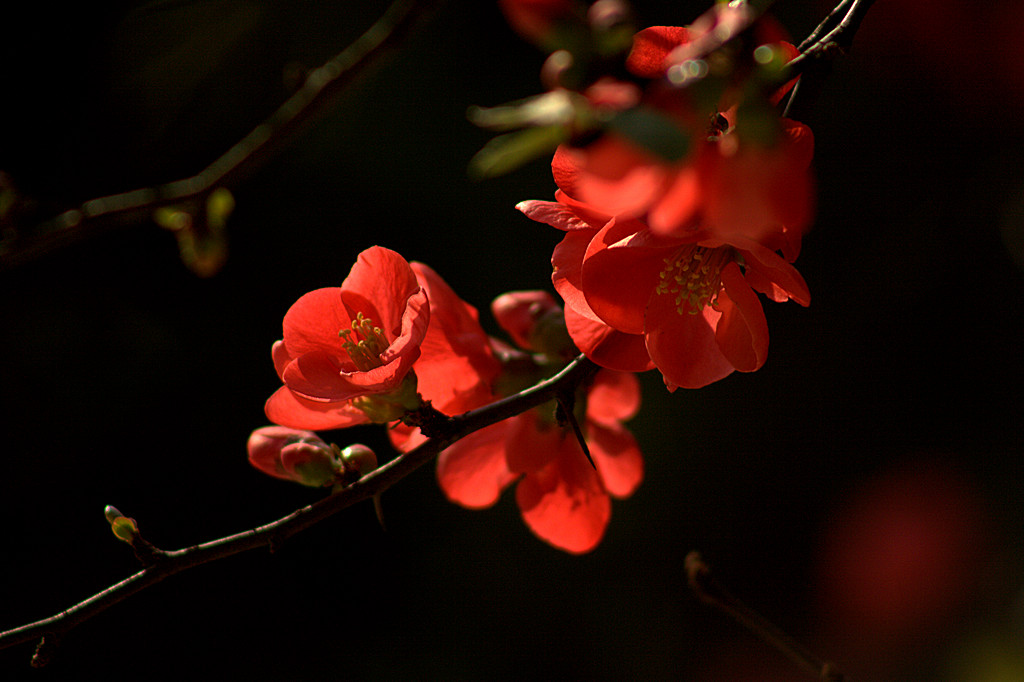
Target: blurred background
point(864, 490)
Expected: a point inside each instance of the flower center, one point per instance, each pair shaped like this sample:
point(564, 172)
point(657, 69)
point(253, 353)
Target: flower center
point(364, 343)
point(693, 275)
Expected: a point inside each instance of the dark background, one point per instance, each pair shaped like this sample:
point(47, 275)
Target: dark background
point(863, 489)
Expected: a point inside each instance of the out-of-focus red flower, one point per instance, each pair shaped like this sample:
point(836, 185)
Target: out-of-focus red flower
point(536, 19)
point(900, 562)
point(686, 304)
point(562, 498)
point(741, 171)
point(342, 344)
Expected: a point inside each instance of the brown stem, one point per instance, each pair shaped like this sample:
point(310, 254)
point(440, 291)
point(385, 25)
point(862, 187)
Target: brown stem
point(167, 563)
point(814, 64)
point(238, 162)
point(710, 591)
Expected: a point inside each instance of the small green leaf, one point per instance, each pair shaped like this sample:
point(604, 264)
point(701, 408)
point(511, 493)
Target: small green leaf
point(654, 131)
point(508, 152)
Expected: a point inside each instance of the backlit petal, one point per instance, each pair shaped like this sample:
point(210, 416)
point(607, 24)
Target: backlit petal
point(608, 347)
point(289, 409)
point(378, 286)
point(620, 270)
point(683, 345)
point(742, 332)
point(472, 472)
point(564, 504)
point(617, 458)
point(613, 397)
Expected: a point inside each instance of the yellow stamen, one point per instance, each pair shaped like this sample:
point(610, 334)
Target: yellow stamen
point(364, 343)
point(693, 275)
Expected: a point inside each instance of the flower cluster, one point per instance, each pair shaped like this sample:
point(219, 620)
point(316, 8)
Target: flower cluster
point(341, 368)
point(563, 498)
point(682, 195)
point(691, 200)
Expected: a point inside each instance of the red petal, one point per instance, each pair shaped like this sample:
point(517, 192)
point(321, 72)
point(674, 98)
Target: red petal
point(765, 264)
point(564, 504)
point(472, 472)
point(742, 332)
point(567, 274)
point(620, 179)
point(652, 46)
point(456, 367)
point(287, 409)
point(674, 211)
point(531, 445)
point(590, 214)
point(608, 347)
point(620, 271)
point(565, 167)
point(617, 458)
point(552, 213)
point(313, 323)
point(613, 397)
point(378, 286)
point(281, 358)
point(683, 346)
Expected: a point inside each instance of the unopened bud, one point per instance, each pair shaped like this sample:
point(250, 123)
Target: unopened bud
point(534, 321)
point(124, 528)
point(358, 460)
point(292, 455)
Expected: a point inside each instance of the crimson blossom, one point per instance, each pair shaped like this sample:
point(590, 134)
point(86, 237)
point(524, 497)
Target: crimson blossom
point(562, 498)
point(734, 168)
point(637, 299)
point(347, 352)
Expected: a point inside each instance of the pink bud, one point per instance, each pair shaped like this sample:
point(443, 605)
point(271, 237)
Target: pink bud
point(534, 321)
point(292, 455)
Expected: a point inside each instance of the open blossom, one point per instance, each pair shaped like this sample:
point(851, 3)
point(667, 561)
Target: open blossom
point(344, 346)
point(562, 498)
point(686, 305)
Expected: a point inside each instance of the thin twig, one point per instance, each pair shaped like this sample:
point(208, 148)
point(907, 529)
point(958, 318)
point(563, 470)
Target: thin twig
point(167, 563)
point(710, 591)
point(240, 161)
point(814, 63)
point(825, 25)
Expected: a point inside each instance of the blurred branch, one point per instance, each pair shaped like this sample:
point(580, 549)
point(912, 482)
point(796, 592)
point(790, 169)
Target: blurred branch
point(240, 161)
point(817, 51)
point(160, 564)
point(710, 591)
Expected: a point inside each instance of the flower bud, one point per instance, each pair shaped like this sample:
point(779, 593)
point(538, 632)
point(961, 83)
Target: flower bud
point(292, 455)
point(124, 528)
point(358, 460)
point(534, 321)
point(309, 464)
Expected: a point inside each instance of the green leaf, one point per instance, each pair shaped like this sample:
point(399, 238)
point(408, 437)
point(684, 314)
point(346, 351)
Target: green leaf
point(508, 152)
point(654, 131)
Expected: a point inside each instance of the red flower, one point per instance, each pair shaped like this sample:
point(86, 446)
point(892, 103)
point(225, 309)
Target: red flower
point(740, 172)
point(341, 344)
point(536, 19)
point(562, 498)
point(684, 304)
